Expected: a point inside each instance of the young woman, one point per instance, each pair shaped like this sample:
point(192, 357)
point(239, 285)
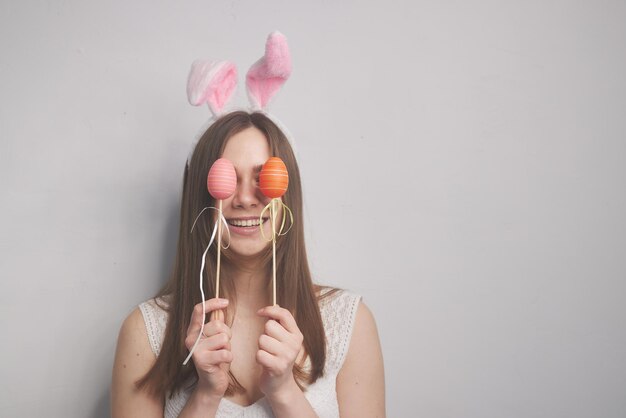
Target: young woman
point(317, 354)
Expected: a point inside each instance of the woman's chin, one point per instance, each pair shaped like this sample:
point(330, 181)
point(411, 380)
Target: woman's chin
point(249, 250)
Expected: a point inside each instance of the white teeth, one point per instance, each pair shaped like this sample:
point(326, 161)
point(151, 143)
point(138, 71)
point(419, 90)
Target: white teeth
point(246, 222)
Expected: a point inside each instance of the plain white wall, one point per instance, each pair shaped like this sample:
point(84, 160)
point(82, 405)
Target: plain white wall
point(463, 167)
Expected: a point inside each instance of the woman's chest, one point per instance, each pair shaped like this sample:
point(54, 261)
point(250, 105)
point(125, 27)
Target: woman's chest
point(244, 367)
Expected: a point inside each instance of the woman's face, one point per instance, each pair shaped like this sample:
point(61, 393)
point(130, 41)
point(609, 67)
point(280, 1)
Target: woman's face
point(248, 151)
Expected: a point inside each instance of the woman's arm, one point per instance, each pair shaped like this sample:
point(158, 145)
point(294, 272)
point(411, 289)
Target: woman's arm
point(361, 380)
point(133, 359)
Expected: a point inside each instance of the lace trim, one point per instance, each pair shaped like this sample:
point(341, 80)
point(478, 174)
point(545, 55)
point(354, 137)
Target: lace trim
point(155, 319)
point(338, 315)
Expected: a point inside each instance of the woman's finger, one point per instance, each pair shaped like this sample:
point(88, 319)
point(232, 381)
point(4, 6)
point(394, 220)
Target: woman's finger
point(273, 363)
point(215, 358)
point(271, 345)
point(276, 331)
point(214, 343)
point(196, 316)
point(216, 327)
point(281, 315)
point(205, 344)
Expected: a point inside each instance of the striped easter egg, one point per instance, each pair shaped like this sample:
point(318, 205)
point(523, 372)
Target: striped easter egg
point(222, 179)
point(274, 179)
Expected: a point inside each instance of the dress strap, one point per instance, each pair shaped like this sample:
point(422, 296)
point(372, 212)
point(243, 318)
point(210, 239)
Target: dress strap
point(338, 315)
point(155, 319)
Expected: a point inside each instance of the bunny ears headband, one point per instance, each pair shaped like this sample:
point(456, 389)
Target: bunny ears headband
point(214, 83)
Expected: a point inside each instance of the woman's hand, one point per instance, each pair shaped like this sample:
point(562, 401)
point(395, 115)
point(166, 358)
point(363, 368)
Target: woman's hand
point(279, 347)
point(212, 356)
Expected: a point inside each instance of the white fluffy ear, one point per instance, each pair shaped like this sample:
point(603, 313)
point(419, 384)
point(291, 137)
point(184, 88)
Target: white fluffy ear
point(268, 74)
point(212, 83)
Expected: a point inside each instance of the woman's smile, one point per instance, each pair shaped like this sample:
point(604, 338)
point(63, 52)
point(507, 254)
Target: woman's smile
point(247, 225)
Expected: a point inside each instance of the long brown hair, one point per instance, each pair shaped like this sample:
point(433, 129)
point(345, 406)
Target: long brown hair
point(295, 291)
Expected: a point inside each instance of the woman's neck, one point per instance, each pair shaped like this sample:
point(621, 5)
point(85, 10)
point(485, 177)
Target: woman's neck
point(252, 286)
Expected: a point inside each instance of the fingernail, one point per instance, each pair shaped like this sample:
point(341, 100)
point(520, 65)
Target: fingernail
point(223, 301)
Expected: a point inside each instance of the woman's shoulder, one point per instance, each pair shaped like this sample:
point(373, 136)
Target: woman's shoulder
point(133, 325)
point(133, 359)
point(354, 354)
point(360, 382)
point(347, 307)
point(338, 309)
point(138, 320)
point(131, 343)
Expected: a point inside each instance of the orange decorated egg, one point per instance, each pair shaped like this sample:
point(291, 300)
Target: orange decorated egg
point(222, 179)
point(274, 179)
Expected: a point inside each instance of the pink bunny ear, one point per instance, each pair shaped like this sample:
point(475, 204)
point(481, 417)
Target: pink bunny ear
point(267, 75)
point(212, 83)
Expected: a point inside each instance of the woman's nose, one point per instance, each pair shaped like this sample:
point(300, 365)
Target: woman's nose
point(246, 195)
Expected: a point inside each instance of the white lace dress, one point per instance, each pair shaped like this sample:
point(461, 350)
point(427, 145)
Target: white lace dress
point(338, 313)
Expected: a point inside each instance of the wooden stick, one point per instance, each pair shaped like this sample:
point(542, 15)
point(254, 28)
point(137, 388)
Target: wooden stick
point(219, 248)
point(273, 215)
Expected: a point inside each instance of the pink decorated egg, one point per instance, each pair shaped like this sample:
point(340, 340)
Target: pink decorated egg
point(273, 178)
point(222, 179)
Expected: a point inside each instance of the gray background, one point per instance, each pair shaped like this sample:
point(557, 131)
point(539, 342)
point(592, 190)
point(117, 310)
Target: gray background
point(463, 165)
